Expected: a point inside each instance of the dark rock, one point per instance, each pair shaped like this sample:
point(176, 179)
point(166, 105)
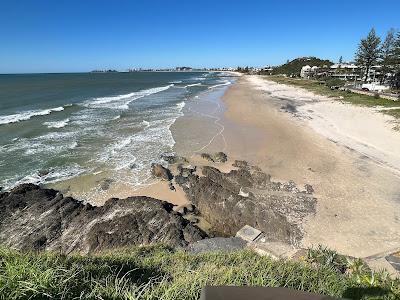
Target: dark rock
point(159, 171)
point(272, 207)
point(190, 207)
point(179, 179)
point(207, 156)
point(219, 157)
point(44, 172)
point(171, 187)
point(34, 218)
point(186, 171)
point(240, 164)
point(217, 244)
point(181, 209)
point(173, 159)
point(309, 189)
point(105, 183)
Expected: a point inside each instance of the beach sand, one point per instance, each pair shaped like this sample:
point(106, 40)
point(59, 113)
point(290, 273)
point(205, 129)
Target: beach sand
point(348, 154)
point(358, 203)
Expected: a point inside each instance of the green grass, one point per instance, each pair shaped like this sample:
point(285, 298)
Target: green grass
point(320, 88)
point(159, 272)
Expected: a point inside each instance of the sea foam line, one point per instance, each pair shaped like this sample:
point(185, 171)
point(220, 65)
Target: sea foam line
point(221, 84)
point(57, 124)
point(122, 101)
point(26, 115)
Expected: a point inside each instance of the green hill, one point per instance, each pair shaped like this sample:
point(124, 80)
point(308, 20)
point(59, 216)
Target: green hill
point(293, 67)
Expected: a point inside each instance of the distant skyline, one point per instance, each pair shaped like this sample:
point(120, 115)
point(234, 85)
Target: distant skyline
point(78, 36)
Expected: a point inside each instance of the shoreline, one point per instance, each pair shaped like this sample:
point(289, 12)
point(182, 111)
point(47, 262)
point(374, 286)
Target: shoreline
point(357, 200)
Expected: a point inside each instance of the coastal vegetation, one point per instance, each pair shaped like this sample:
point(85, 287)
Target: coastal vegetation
point(324, 88)
point(160, 272)
point(292, 68)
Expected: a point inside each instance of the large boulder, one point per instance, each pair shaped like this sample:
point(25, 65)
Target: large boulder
point(35, 218)
point(247, 196)
point(219, 157)
point(159, 171)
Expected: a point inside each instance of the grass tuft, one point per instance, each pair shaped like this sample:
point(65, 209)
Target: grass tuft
point(159, 272)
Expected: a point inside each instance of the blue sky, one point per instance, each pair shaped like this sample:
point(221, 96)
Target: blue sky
point(68, 36)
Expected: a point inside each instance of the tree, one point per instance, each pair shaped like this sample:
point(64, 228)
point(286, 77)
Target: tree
point(340, 60)
point(368, 52)
point(396, 63)
point(387, 58)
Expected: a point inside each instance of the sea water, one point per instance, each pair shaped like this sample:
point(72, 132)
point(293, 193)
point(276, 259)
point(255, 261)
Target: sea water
point(54, 127)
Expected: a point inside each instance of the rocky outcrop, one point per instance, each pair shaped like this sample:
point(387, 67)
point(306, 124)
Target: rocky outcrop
point(174, 159)
point(159, 171)
point(219, 157)
point(43, 219)
point(228, 201)
point(217, 244)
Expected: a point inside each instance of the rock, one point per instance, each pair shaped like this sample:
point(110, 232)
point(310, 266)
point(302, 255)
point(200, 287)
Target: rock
point(105, 183)
point(181, 209)
point(240, 164)
point(34, 218)
point(275, 208)
point(173, 159)
point(171, 187)
point(207, 156)
point(217, 244)
point(219, 157)
point(186, 171)
point(159, 171)
point(43, 172)
point(190, 207)
point(181, 180)
point(309, 189)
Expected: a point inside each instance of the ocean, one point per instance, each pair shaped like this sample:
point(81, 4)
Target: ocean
point(55, 127)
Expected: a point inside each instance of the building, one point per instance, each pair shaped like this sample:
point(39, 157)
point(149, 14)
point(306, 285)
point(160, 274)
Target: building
point(307, 71)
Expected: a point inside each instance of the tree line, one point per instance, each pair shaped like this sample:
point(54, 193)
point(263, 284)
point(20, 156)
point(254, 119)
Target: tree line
point(372, 51)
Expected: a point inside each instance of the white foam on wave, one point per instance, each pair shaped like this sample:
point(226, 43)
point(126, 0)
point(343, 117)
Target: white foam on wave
point(146, 123)
point(122, 101)
point(57, 124)
point(26, 115)
point(193, 84)
point(177, 81)
point(54, 175)
point(221, 84)
point(180, 105)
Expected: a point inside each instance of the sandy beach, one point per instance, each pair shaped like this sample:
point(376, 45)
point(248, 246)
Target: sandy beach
point(347, 153)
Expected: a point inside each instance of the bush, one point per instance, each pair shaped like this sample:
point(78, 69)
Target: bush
point(334, 82)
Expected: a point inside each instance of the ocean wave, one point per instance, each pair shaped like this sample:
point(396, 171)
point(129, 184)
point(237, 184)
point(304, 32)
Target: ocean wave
point(51, 176)
point(146, 123)
point(26, 115)
point(177, 81)
point(221, 84)
point(57, 124)
point(180, 105)
point(193, 84)
point(122, 101)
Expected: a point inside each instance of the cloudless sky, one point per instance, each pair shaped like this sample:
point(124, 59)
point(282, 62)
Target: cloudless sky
point(81, 35)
